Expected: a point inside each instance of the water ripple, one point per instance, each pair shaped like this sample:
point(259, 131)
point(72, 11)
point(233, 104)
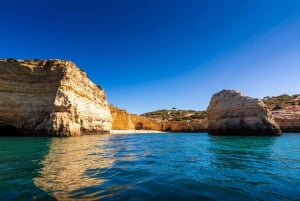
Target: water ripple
point(151, 167)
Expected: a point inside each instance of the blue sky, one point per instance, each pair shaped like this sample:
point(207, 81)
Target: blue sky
point(156, 54)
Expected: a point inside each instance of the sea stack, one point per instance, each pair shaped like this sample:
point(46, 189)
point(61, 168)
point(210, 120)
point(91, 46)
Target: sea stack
point(50, 97)
point(231, 113)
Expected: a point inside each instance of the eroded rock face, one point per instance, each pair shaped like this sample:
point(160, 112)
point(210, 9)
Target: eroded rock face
point(286, 111)
point(145, 123)
point(186, 126)
point(51, 97)
point(120, 119)
point(288, 118)
point(230, 113)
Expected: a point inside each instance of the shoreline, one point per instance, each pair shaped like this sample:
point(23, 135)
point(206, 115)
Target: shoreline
point(134, 131)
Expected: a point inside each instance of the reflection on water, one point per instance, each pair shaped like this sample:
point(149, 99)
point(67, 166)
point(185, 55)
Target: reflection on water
point(148, 167)
point(65, 169)
point(20, 159)
point(239, 152)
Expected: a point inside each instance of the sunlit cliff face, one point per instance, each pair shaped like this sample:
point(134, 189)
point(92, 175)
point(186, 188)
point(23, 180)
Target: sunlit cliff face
point(51, 97)
point(72, 164)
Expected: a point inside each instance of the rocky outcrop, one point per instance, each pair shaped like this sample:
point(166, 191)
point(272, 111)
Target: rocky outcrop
point(288, 118)
point(230, 113)
point(50, 97)
point(120, 119)
point(286, 111)
point(186, 126)
point(145, 123)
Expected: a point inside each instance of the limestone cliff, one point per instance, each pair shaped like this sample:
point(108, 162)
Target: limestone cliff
point(50, 97)
point(288, 118)
point(230, 113)
point(145, 123)
point(286, 111)
point(186, 126)
point(120, 119)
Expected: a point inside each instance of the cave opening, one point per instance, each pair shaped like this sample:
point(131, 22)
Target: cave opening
point(9, 131)
point(139, 126)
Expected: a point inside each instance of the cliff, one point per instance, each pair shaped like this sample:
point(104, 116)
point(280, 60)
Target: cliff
point(286, 111)
point(120, 119)
point(145, 123)
point(186, 126)
point(180, 120)
point(50, 97)
point(230, 113)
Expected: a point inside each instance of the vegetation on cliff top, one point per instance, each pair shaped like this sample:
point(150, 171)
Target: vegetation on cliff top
point(274, 103)
point(282, 101)
point(176, 115)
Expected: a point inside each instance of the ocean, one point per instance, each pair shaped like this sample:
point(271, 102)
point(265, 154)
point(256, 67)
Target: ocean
point(164, 166)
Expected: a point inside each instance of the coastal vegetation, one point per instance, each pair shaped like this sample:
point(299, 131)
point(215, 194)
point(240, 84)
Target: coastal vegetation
point(282, 101)
point(176, 115)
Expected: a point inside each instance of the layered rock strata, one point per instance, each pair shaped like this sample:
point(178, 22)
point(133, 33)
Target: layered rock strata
point(288, 118)
point(186, 126)
point(286, 111)
point(230, 113)
point(122, 120)
point(145, 123)
point(50, 97)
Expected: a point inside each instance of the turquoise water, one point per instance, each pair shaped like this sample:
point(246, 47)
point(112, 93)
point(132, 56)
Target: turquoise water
point(181, 166)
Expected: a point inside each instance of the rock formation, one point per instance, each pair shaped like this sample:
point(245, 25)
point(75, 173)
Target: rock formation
point(120, 119)
point(50, 97)
point(230, 113)
point(288, 118)
point(185, 126)
point(286, 111)
point(145, 123)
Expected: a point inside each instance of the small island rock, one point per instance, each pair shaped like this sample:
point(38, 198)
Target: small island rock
point(230, 113)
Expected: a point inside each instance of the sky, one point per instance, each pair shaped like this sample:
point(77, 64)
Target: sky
point(160, 54)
